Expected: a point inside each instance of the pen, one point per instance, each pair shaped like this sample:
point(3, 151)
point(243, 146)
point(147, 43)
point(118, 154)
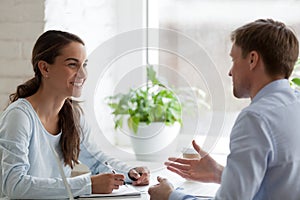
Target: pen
point(112, 169)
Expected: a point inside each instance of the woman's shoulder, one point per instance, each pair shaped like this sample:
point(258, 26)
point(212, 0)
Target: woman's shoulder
point(17, 118)
point(21, 104)
point(20, 107)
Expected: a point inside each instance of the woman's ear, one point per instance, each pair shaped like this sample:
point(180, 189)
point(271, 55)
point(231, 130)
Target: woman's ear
point(44, 68)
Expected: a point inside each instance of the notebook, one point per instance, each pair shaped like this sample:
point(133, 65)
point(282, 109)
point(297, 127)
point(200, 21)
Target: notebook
point(124, 190)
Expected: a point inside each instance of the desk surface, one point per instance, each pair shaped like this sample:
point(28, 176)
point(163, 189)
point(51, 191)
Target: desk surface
point(191, 187)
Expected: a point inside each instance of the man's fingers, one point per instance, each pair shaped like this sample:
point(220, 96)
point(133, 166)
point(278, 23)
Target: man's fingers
point(180, 173)
point(180, 160)
point(178, 166)
point(199, 150)
point(163, 181)
point(160, 179)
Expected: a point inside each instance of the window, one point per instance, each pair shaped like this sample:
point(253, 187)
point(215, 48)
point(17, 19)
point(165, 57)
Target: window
point(207, 23)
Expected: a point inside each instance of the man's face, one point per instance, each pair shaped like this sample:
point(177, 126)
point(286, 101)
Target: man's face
point(239, 73)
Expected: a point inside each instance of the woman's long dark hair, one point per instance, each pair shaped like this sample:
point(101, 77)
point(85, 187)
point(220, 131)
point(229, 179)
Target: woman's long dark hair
point(47, 48)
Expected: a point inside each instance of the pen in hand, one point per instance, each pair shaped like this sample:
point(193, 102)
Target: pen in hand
point(112, 170)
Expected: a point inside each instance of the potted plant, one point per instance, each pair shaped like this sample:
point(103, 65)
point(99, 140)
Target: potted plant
point(149, 111)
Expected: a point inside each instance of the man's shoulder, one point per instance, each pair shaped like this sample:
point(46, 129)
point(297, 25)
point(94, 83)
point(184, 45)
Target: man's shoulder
point(275, 101)
point(272, 107)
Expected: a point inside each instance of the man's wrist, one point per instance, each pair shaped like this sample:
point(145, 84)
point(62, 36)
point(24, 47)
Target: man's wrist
point(218, 174)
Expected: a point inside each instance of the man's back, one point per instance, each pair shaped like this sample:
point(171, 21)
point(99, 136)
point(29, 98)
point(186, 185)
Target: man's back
point(264, 162)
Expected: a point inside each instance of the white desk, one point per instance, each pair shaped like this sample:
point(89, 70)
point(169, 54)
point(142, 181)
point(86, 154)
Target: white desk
point(156, 170)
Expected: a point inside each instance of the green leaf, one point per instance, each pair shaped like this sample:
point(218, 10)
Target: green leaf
point(133, 123)
point(296, 81)
point(155, 102)
point(151, 75)
point(119, 123)
point(157, 113)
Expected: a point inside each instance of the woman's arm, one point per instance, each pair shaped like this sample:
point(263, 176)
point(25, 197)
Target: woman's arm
point(19, 177)
point(95, 159)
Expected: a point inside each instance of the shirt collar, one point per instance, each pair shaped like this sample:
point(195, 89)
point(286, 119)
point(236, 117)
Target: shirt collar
point(272, 87)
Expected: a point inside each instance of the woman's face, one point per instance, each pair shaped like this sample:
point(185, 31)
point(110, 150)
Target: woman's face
point(67, 74)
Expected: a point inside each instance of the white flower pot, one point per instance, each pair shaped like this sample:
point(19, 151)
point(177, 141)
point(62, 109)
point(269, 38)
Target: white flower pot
point(152, 140)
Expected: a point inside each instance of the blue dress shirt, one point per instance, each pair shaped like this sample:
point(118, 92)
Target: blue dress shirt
point(264, 159)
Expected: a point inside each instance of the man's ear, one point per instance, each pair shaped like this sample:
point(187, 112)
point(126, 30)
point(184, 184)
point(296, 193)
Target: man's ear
point(44, 68)
point(253, 59)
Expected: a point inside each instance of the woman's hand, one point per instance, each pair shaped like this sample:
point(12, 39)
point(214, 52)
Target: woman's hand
point(106, 183)
point(160, 191)
point(139, 175)
point(205, 169)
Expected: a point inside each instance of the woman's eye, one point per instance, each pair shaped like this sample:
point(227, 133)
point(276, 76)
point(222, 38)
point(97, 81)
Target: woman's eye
point(85, 65)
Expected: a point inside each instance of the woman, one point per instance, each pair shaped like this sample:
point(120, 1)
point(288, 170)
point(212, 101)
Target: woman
point(42, 116)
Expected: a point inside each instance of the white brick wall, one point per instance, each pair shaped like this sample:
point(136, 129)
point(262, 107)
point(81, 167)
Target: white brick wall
point(21, 22)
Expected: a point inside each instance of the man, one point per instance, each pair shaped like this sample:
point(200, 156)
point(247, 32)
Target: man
point(264, 159)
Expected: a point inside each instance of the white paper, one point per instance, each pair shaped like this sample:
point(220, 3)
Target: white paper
point(124, 190)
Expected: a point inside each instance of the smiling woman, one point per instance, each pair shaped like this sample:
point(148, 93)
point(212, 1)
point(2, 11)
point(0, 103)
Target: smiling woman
point(68, 73)
point(43, 132)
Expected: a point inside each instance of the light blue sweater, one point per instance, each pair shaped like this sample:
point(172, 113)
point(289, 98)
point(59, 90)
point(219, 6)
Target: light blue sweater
point(29, 169)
